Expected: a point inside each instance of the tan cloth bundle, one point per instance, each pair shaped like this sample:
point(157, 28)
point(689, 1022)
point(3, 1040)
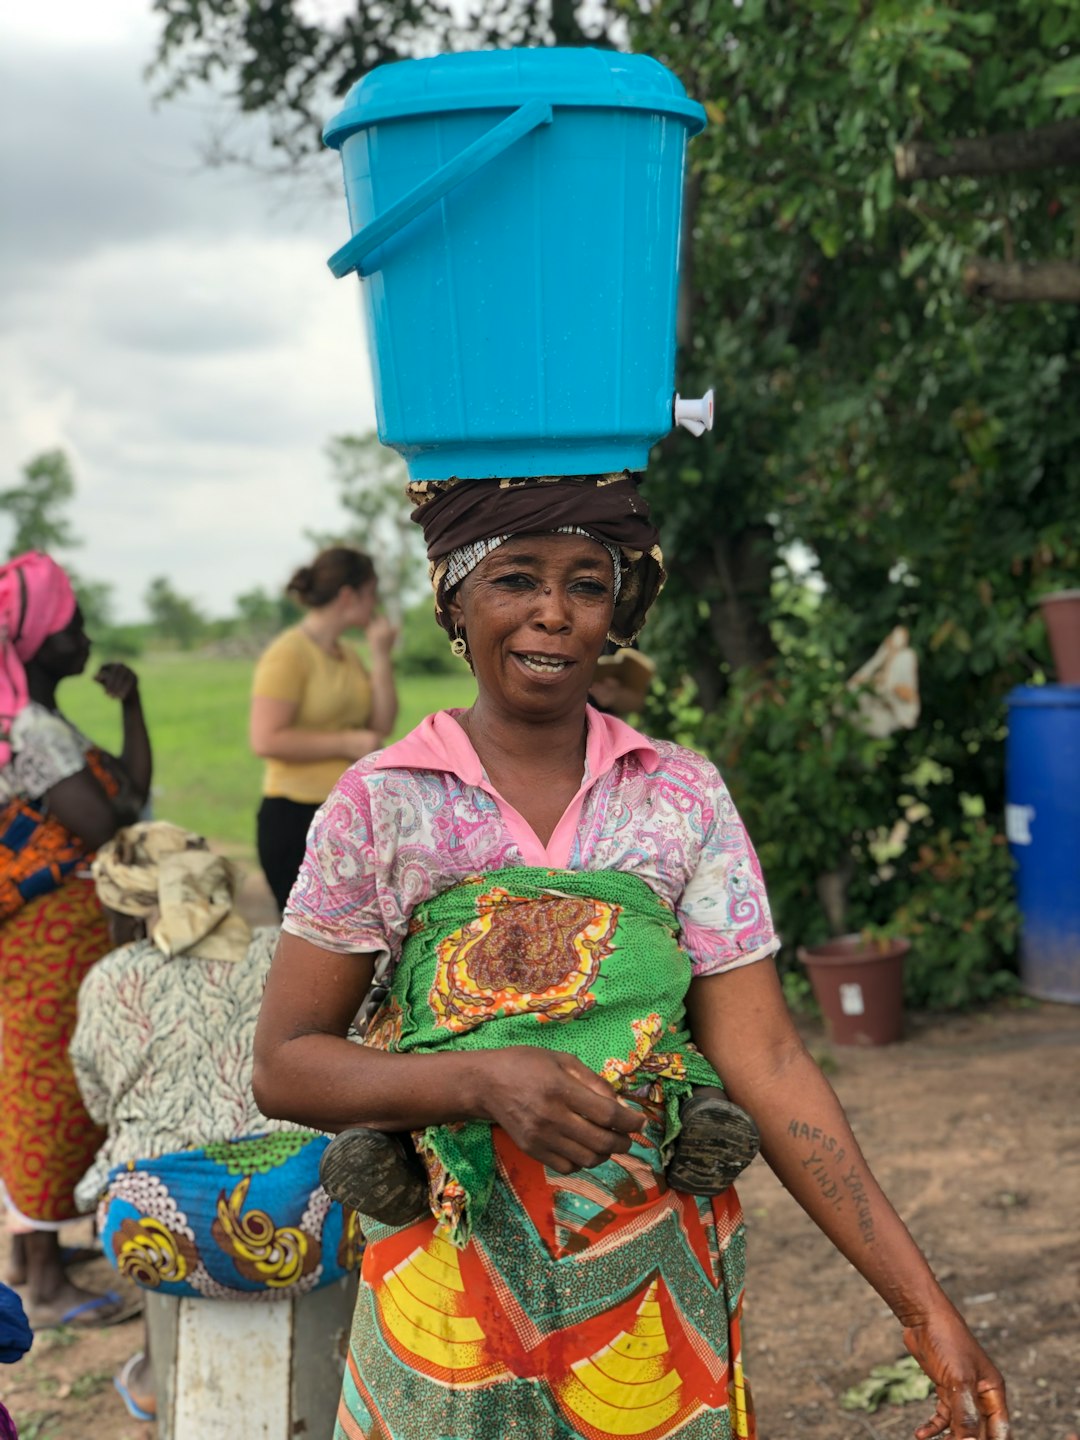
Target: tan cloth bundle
point(169, 877)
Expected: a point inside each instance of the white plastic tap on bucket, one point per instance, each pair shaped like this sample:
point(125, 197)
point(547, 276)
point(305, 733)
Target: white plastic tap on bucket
point(516, 223)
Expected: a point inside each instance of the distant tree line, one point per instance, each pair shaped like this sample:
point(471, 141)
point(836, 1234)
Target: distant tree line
point(370, 483)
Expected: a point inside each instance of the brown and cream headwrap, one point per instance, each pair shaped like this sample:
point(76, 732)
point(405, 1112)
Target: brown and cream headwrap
point(169, 877)
point(464, 520)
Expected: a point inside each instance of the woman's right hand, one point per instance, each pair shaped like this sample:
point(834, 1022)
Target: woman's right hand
point(554, 1108)
point(970, 1392)
point(119, 682)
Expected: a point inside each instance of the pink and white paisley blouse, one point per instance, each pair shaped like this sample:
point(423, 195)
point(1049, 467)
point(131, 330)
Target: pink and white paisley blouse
point(412, 820)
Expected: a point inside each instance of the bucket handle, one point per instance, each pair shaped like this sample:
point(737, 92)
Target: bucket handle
point(354, 254)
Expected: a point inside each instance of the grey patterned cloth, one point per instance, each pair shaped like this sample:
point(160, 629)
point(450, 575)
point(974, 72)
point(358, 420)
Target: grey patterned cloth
point(163, 1053)
point(46, 749)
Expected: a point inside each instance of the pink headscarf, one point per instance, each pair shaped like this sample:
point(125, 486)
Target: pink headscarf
point(36, 601)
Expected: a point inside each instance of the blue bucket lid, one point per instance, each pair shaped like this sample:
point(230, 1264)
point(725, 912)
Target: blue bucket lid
point(505, 79)
point(1064, 696)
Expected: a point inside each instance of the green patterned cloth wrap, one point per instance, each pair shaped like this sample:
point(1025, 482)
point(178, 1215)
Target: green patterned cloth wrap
point(584, 962)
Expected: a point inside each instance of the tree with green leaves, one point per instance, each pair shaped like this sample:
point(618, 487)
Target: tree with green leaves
point(916, 447)
point(371, 486)
point(173, 615)
point(37, 505)
point(37, 509)
point(281, 61)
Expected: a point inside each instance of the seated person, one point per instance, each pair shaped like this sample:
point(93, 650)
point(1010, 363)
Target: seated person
point(198, 1193)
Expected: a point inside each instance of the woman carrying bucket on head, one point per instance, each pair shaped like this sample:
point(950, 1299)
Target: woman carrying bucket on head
point(558, 924)
point(548, 906)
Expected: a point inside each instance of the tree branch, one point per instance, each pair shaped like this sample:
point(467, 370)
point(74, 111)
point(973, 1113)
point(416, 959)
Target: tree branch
point(565, 26)
point(1004, 283)
point(1057, 144)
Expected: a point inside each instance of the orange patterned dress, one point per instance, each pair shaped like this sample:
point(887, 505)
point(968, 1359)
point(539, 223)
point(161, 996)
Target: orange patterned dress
point(52, 929)
point(589, 1306)
point(47, 1140)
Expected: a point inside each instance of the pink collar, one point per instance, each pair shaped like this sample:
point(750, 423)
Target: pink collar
point(439, 743)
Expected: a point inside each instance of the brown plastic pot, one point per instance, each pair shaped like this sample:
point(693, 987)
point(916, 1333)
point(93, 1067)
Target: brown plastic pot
point(1061, 615)
point(859, 985)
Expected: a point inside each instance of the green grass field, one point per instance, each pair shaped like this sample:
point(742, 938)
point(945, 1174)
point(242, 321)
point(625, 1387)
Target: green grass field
point(205, 777)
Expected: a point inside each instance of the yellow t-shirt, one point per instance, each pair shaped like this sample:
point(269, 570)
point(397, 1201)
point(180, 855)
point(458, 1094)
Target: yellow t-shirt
point(330, 692)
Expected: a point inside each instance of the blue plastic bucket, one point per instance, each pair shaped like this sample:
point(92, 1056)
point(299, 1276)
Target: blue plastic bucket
point(1042, 821)
point(515, 219)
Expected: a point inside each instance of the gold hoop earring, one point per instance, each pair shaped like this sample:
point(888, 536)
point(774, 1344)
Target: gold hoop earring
point(459, 645)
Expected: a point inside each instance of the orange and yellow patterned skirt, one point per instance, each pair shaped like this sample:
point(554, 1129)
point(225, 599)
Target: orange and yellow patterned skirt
point(47, 1140)
point(584, 1307)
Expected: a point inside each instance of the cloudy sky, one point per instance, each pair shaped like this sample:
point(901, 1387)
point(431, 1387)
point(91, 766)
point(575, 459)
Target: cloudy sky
point(173, 328)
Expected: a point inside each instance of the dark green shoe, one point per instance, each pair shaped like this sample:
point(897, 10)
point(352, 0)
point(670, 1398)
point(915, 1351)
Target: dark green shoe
point(717, 1142)
point(377, 1174)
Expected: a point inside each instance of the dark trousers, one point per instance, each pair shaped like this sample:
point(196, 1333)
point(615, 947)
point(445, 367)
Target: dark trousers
point(281, 836)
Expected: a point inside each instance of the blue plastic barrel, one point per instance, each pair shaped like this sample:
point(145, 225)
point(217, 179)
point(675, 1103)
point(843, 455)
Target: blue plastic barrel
point(1042, 821)
point(515, 219)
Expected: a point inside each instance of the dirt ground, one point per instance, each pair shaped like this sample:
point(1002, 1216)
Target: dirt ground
point(971, 1124)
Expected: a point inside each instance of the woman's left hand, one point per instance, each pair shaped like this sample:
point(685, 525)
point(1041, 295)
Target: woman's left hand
point(971, 1400)
point(119, 682)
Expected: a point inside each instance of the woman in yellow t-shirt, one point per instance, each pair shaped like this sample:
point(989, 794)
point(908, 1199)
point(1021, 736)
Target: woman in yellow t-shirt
point(315, 708)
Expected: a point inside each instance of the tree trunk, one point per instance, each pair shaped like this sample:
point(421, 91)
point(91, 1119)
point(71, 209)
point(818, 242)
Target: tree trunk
point(1004, 283)
point(740, 566)
point(832, 888)
point(991, 154)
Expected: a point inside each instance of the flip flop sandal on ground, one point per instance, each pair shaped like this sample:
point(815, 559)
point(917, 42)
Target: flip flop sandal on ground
point(95, 1313)
point(145, 1406)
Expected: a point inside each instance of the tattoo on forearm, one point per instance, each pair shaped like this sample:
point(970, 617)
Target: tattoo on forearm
point(801, 1131)
point(865, 1215)
point(823, 1165)
point(823, 1179)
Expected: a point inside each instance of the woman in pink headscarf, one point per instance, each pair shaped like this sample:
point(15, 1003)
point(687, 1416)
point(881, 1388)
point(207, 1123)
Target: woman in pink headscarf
point(60, 798)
